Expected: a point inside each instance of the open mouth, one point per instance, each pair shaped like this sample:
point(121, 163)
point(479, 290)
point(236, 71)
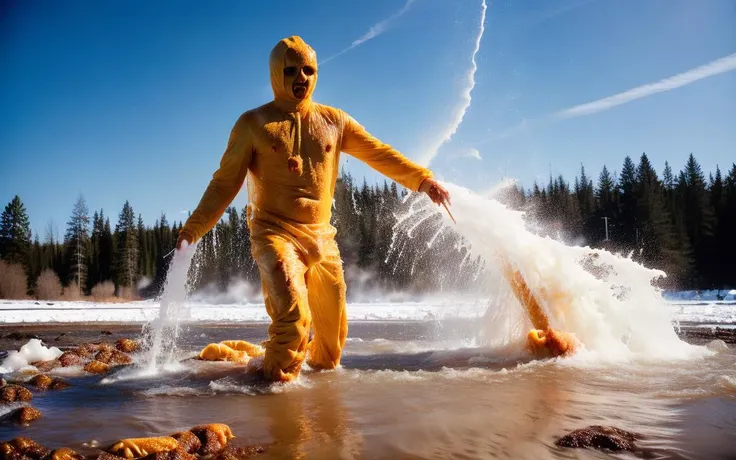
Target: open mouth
point(299, 90)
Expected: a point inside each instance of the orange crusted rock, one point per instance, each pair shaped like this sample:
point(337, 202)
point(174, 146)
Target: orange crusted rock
point(104, 356)
point(14, 393)
point(221, 352)
point(176, 454)
point(70, 358)
point(140, 447)
point(127, 345)
point(188, 441)
point(41, 382)
point(23, 448)
point(600, 437)
point(45, 366)
point(214, 437)
point(251, 349)
point(25, 415)
point(44, 382)
point(96, 367)
point(66, 454)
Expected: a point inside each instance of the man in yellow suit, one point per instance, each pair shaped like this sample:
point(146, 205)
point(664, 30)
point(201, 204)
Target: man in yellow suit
point(290, 149)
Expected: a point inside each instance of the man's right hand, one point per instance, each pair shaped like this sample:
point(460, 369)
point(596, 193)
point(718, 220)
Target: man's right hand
point(182, 242)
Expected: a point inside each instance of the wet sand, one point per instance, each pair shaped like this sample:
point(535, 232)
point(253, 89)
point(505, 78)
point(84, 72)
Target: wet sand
point(403, 392)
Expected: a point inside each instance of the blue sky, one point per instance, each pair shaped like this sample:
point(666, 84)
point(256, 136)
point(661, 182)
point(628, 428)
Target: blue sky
point(134, 100)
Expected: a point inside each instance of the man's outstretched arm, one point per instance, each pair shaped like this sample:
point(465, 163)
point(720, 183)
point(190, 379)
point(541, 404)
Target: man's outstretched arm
point(390, 162)
point(223, 187)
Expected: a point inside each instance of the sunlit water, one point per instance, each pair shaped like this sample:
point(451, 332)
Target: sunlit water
point(414, 390)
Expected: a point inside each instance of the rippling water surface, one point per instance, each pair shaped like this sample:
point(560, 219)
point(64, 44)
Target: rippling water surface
point(403, 394)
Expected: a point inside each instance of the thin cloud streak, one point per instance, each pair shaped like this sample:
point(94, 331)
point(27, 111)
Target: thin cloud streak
point(472, 153)
point(466, 99)
point(722, 65)
point(374, 31)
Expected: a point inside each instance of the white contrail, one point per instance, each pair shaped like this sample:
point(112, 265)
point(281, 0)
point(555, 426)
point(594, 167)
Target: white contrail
point(374, 31)
point(460, 111)
point(725, 64)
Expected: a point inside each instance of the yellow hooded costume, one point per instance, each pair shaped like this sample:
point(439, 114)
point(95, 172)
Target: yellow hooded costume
point(290, 149)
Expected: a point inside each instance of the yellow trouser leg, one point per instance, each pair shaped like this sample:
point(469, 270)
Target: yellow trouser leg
point(285, 295)
point(326, 285)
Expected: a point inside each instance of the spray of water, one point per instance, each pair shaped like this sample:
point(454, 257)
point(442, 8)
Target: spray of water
point(607, 300)
point(161, 335)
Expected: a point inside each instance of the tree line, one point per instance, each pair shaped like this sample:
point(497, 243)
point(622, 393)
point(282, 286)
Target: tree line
point(682, 223)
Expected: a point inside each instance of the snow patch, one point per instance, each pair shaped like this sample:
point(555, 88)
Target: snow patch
point(31, 352)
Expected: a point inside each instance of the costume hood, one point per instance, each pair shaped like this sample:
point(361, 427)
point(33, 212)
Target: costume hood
point(297, 51)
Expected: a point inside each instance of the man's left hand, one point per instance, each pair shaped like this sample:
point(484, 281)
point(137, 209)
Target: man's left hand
point(437, 193)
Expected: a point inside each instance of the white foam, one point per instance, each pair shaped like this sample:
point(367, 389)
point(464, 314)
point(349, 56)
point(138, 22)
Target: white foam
point(166, 390)
point(617, 314)
point(31, 352)
point(728, 382)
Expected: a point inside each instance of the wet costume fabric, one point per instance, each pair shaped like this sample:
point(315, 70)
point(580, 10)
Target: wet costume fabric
point(289, 150)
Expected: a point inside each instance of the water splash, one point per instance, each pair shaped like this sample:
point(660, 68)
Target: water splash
point(607, 300)
point(161, 334)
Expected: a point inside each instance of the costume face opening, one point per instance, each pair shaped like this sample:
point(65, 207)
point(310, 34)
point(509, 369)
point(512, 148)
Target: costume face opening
point(293, 68)
point(299, 75)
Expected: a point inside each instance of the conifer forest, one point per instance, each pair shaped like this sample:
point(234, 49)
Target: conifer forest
point(683, 222)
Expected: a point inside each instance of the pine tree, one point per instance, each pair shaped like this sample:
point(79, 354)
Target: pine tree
point(716, 263)
point(607, 205)
point(627, 226)
point(699, 218)
point(127, 249)
point(108, 248)
point(15, 233)
point(585, 198)
point(657, 240)
point(76, 241)
point(94, 274)
point(727, 228)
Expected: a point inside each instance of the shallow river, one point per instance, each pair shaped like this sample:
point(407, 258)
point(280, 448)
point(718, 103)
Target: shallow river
point(402, 393)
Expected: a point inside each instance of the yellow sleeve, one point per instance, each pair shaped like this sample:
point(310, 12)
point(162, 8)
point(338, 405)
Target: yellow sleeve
point(224, 185)
point(382, 157)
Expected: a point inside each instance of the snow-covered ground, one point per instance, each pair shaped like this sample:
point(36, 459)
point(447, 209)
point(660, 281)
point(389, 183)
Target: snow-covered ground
point(12, 312)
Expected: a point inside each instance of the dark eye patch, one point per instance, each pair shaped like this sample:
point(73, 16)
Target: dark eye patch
point(308, 70)
point(290, 71)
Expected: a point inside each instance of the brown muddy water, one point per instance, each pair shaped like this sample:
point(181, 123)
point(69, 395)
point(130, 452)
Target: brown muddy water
point(402, 393)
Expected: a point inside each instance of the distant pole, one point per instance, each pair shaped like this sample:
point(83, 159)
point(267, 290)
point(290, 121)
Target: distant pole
point(606, 220)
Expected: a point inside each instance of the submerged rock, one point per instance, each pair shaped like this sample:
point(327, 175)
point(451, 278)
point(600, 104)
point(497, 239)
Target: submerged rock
point(14, 393)
point(214, 437)
point(600, 437)
point(23, 448)
point(44, 382)
point(141, 447)
point(127, 345)
point(188, 441)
